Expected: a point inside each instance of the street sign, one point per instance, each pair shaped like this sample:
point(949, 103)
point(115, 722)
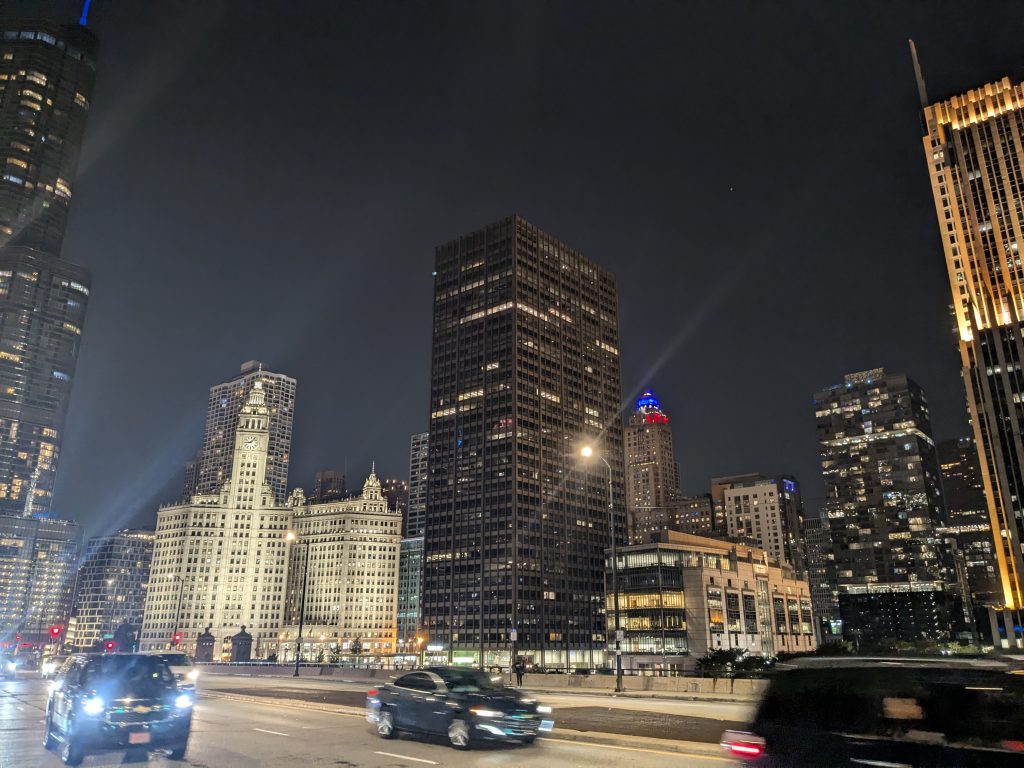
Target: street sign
point(619, 635)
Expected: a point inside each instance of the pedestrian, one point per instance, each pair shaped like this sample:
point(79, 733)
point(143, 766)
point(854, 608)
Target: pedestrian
point(520, 669)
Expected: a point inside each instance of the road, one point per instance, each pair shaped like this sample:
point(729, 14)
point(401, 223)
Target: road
point(230, 733)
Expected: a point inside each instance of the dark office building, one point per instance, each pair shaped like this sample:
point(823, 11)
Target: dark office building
point(525, 370)
point(329, 485)
point(419, 454)
point(46, 80)
point(397, 493)
point(968, 519)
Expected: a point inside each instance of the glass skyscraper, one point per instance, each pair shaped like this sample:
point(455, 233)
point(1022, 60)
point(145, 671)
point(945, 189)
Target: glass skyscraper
point(47, 72)
point(525, 369)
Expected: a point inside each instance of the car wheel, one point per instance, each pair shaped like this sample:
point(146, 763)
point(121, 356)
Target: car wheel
point(72, 754)
point(49, 743)
point(458, 734)
point(386, 724)
point(178, 752)
point(529, 739)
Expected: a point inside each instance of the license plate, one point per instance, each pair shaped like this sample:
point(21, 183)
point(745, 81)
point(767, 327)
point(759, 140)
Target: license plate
point(138, 738)
point(547, 725)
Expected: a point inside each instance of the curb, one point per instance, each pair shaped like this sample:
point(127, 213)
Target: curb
point(560, 734)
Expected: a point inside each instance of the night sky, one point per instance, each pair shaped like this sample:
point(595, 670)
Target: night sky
point(268, 180)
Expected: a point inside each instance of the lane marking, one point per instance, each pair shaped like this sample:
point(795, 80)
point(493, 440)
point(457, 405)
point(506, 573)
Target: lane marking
point(407, 757)
point(264, 730)
point(592, 744)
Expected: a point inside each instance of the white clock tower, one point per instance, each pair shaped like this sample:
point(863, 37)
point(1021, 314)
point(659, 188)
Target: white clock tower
point(248, 487)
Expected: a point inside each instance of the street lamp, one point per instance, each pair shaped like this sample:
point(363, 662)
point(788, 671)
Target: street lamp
point(587, 452)
point(302, 601)
point(419, 649)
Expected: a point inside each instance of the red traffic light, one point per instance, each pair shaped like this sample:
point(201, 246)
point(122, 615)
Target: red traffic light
point(54, 631)
point(17, 637)
point(110, 645)
point(177, 638)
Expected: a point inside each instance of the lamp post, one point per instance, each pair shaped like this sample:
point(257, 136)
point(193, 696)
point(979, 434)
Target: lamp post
point(587, 452)
point(177, 612)
point(302, 601)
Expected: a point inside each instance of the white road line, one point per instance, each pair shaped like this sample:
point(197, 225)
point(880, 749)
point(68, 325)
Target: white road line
point(264, 730)
point(406, 757)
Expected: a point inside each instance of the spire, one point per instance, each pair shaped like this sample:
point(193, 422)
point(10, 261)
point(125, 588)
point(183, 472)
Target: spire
point(371, 488)
point(922, 93)
point(257, 397)
point(648, 410)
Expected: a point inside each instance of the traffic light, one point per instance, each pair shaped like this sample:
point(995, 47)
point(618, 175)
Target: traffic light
point(110, 645)
point(55, 632)
point(176, 639)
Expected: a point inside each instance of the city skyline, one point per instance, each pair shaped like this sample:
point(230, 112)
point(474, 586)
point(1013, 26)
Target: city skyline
point(281, 334)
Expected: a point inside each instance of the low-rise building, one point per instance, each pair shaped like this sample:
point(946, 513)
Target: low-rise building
point(682, 595)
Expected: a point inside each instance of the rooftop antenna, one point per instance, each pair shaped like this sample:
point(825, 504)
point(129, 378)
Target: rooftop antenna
point(84, 18)
point(921, 92)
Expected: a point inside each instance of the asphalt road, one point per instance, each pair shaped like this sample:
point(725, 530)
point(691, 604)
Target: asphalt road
point(229, 733)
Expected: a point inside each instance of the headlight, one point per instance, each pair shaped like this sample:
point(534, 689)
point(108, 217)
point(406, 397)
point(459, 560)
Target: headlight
point(486, 712)
point(543, 710)
point(93, 706)
point(193, 675)
point(11, 666)
point(184, 701)
point(48, 667)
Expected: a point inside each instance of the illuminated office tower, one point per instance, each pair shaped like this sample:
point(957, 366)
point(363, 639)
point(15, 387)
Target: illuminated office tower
point(652, 476)
point(974, 147)
point(525, 369)
point(47, 72)
point(226, 400)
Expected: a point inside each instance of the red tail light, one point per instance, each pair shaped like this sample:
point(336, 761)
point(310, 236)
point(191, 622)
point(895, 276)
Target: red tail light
point(372, 693)
point(742, 744)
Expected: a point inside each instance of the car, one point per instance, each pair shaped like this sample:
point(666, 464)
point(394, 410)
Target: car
point(181, 665)
point(51, 666)
point(8, 667)
point(463, 705)
point(116, 701)
point(902, 713)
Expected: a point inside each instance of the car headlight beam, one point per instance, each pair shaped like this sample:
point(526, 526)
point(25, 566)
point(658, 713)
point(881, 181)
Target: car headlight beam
point(543, 710)
point(184, 701)
point(93, 706)
point(485, 712)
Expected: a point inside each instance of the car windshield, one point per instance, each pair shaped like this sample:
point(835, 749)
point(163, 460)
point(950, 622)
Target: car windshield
point(468, 680)
point(174, 659)
point(133, 676)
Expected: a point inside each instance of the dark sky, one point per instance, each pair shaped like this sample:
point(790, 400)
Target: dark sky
point(268, 180)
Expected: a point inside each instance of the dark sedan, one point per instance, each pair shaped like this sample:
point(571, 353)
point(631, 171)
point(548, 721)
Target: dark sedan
point(117, 701)
point(464, 705)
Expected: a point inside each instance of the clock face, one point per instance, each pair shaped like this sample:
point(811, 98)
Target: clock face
point(251, 443)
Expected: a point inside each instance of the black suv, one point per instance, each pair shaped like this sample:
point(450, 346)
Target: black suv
point(462, 704)
point(903, 713)
point(116, 701)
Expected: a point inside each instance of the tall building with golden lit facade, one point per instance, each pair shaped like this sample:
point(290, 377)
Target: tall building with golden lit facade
point(974, 147)
point(652, 476)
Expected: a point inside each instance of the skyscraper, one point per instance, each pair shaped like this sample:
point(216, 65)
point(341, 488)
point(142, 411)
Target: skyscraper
point(525, 368)
point(38, 559)
point(652, 476)
point(883, 501)
point(47, 72)
point(974, 147)
point(220, 561)
point(418, 456)
point(226, 400)
point(111, 588)
point(967, 517)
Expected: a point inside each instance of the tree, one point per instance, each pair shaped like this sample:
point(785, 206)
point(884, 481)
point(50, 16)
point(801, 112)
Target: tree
point(357, 647)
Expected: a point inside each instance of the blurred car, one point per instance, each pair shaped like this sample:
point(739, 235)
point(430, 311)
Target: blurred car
point(464, 705)
point(899, 713)
point(116, 701)
point(8, 666)
point(51, 666)
point(181, 665)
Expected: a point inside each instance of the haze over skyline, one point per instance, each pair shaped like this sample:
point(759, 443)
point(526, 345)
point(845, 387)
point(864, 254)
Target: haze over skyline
point(257, 185)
